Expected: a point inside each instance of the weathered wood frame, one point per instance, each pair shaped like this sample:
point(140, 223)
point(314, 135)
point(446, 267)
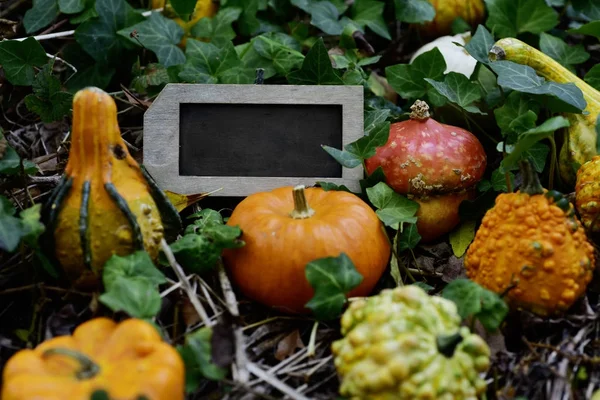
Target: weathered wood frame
point(161, 133)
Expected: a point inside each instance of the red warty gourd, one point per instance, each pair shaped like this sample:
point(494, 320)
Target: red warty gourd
point(287, 228)
point(434, 164)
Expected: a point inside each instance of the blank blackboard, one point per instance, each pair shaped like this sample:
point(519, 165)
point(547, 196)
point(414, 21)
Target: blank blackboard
point(251, 139)
point(242, 139)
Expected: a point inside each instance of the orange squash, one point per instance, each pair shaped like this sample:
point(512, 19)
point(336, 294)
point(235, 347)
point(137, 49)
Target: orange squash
point(106, 203)
point(287, 228)
point(127, 360)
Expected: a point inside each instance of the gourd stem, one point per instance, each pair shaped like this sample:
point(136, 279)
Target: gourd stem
point(419, 110)
point(531, 182)
point(301, 207)
point(447, 344)
point(88, 369)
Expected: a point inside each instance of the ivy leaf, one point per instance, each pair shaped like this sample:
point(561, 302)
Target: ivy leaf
point(197, 356)
point(40, 15)
point(316, 68)
point(284, 58)
point(99, 37)
point(593, 77)
point(461, 237)
point(48, 100)
point(480, 45)
point(160, 35)
point(393, 209)
point(71, 6)
point(331, 278)
point(458, 89)
point(517, 105)
point(327, 186)
point(590, 8)
point(18, 59)
point(476, 301)
point(248, 24)
point(354, 153)
point(565, 54)
point(524, 79)
point(414, 11)
point(498, 180)
point(590, 29)
point(369, 13)
point(31, 226)
point(508, 18)
point(374, 119)
point(408, 80)
point(218, 28)
point(409, 238)
point(88, 13)
point(184, 8)
point(10, 232)
point(324, 16)
point(528, 138)
point(207, 63)
point(131, 284)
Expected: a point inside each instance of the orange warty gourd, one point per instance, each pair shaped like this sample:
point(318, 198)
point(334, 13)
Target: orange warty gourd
point(434, 164)
point(446, 11)
point(105, 203)
point(287, 228)
point(532, 248)
point(127, 360)
point(587, 194)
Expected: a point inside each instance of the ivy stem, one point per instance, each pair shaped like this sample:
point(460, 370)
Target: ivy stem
point(301, 208)
point(88, 368)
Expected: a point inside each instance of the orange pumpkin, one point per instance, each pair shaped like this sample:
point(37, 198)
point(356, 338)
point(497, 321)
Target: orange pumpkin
point(287, 228)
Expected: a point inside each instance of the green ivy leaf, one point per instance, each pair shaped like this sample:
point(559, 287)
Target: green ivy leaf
point(204, 218)
point(11, 231)
point(590, 29)
point(524, 79)
point(414, 11)
point(508, 18)
point(48, 100)
point(567, 55)
point(31, 226)
point(184, 8)
point(589, 8)
point(71, 6)
point(498, 180)
point(218, 29)
point(354, 153)
point(284, 58)
point(528, 138)
point(248, 23)
point(458, 89)
point(461, 237)
point(476, 301)
point(88, 13)
point(480, 45)
point(316, 68)
point(516, 106)
point(18, 59)
point(40, 15)
point(160, 35)
point(197, 356)
point(328, 186)
point(369, 13)
point(393, 209)
point(409, 238)
point(593, 77)
point(207, 63)
point(331, 278)
point(131, 284)
point(374, 119)
point(324, 15)
point(408, 80)
point(99, 37)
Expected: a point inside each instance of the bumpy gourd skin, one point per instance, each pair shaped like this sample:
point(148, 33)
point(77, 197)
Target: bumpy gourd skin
point(131, 356)
point(587, 194)
point(389, 349)
point(528, 244)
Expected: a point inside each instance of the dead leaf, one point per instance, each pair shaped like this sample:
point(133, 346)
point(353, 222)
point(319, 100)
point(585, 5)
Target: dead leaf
point(62, 322)
point(188, 312)
point(8, 28)
point(288, 345)
point(222, 343)
point(453, 269)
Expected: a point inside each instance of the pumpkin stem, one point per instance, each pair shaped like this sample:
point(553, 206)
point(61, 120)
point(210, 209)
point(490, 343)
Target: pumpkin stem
point(88, 369)
point(301, 208)
point(447, 344)
point(420, 110)
point(531, 182)
point(496, 53)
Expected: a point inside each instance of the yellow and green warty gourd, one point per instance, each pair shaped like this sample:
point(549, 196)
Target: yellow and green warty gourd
point(105, 203)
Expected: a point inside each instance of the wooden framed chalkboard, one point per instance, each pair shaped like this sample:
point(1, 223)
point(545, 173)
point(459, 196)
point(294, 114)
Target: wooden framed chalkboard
point(244, 139)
